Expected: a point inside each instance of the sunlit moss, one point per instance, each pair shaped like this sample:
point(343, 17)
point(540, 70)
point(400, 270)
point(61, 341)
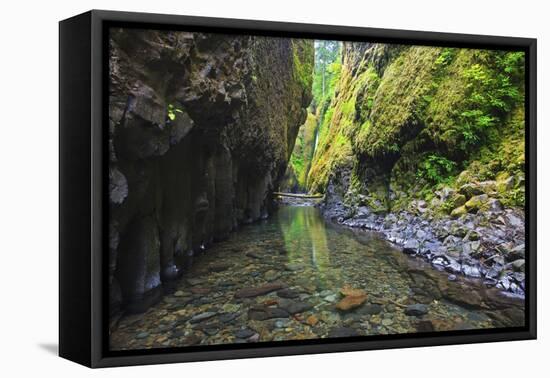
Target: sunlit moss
point(303, 68)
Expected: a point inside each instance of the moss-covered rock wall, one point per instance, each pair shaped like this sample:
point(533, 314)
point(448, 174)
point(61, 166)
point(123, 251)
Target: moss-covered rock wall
point(296, 175)
point(406, 121)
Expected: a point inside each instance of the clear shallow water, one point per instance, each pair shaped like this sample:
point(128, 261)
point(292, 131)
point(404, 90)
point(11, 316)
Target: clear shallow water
point(281, 279)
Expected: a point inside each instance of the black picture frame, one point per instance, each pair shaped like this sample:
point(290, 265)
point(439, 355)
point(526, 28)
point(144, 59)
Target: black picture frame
point(84, 182)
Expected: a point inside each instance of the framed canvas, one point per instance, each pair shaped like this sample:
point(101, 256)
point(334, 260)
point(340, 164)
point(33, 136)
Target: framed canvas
point(234, 188)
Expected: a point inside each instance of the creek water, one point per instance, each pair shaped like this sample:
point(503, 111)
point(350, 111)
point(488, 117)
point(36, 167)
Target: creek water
point(282, 278)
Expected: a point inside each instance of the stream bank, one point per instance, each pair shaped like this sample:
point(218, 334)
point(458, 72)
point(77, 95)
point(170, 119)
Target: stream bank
point(489, 244)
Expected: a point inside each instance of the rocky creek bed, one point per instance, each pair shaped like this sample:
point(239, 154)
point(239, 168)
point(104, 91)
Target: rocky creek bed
point(296, 276)
point(486, 243)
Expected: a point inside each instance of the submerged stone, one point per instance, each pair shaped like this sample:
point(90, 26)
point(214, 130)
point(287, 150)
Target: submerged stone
point(418, 309)
point(249, 292)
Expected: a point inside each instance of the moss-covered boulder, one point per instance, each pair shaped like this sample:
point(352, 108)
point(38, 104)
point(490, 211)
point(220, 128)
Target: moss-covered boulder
point(477, 203)
point(459, 211)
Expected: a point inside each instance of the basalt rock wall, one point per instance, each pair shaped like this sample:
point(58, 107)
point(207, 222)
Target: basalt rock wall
point(201, 127)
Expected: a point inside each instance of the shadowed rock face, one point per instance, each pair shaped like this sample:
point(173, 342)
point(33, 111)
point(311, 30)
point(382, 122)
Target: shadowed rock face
point(201, 127)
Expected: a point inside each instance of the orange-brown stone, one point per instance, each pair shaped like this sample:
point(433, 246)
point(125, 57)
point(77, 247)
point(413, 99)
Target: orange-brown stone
point(312, 320)
point(351, 292)
point(350, 302)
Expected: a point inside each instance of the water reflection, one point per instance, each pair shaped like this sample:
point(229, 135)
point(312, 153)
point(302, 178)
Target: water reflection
point(304, 235)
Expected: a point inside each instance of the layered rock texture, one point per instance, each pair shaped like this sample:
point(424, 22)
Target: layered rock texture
point(201, 127)
point(426, 145)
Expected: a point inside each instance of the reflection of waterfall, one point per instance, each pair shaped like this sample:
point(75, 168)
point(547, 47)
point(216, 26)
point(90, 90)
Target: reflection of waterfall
point(305, 240)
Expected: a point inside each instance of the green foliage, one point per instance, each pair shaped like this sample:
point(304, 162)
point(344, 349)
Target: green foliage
point(172, 110)
point(493, 88)
point(300, 160)
point(338, 128)
point(436, 168)
point(303, 67)
point(445, 57)
point(327, 70)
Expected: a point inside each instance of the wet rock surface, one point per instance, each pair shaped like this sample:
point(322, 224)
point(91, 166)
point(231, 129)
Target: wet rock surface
point(393, 293)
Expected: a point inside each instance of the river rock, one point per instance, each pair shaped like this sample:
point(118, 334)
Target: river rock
point(203, 316)
point(518, 252)
point(459, 211)
point(250, 292)
point(219, 266)
point(191, 340)
point(288, 293)
point(200, 290)
point(351, 302)
point(466, 298)
point(229, 317)
point(411, 246)
point(312, 320)
point(253, 255)
point(519, 265)
point(294, 267)
point(142, 335)
point(350, 291)
point(470, 190)
point(477, 202)
point(195, 281)
point(417, 309)
point(343, 332)
point(294, 307)
point(424, 326)
point(370, 309)
point(271, 275)
point(264, 313)
point(244, 333)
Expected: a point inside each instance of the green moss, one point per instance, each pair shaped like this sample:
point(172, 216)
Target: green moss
point(339, 125)
point(303, 68)
point(302, 154)
point(399, 100)
point(459, 211)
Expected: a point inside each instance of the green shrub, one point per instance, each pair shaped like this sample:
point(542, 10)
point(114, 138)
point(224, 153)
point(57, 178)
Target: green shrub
point(436, 168)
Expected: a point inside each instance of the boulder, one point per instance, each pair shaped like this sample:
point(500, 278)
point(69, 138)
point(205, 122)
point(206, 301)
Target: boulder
point(459, 211)
point(470, 190)
point(476, 203)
